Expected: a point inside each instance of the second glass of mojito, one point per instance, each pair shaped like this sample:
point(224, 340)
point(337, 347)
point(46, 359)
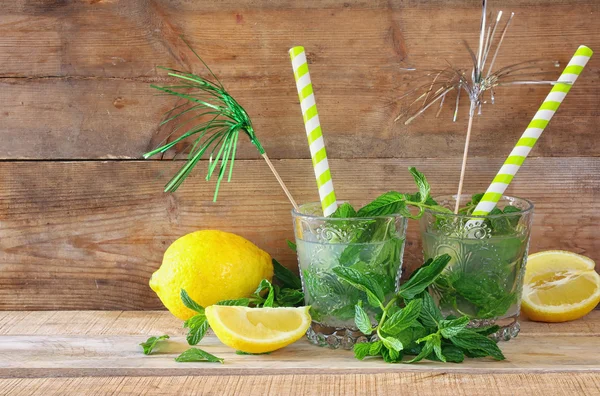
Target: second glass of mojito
point(373, 246)
point(484, 280)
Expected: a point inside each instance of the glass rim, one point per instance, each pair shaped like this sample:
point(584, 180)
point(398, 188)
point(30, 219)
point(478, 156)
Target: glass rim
point(295, 213)
point(529, 209)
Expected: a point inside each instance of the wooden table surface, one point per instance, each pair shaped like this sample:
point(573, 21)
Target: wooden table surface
point(97, 352)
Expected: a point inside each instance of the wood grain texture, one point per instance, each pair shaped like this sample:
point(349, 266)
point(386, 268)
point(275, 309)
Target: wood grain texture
point(74, 76)
point(98, 353)
point(104, 358)
point(424, 384)
point(88, 235)
point(76, 356)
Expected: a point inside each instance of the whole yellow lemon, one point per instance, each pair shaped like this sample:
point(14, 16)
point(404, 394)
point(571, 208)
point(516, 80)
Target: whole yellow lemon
point(211, 266)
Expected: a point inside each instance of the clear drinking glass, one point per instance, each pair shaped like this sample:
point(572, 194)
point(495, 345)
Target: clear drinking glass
point(373, 246)
point(484, 279)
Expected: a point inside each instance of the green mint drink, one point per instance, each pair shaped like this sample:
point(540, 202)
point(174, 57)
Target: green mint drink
point(372, 246)
point(484, 279)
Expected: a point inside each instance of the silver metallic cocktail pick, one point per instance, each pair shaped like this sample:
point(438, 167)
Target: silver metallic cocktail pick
point(449, 79)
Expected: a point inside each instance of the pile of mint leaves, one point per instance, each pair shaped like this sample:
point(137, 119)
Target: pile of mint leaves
point(411, 327)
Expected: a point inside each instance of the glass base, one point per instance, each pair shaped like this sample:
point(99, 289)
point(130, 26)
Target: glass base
point(509, 327)
point(339, 337)
point(335, 337)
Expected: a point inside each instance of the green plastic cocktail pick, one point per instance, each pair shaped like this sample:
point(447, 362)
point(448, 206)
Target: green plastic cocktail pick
point(225, 119)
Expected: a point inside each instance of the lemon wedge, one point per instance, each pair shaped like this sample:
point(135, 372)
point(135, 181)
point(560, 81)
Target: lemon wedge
point(559, 286)
point(258, 330)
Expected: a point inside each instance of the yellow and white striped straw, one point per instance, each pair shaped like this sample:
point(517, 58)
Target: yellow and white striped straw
point(533, 131)
point(313, 130)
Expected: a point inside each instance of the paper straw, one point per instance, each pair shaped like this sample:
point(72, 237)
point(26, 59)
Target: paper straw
point(313, 130)
point(533, 131)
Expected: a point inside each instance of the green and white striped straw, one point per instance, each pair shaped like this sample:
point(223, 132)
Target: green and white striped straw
point(313, 130)
point(533, 131)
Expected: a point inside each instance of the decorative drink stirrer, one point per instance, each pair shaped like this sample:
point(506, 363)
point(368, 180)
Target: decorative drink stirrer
point(534, 130)
point(228, 118)
point(454, 79)
point(313, 130)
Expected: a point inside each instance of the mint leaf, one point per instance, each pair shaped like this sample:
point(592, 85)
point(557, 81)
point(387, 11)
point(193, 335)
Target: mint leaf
point(437, 347)
point(362, 320)
point(286, 277)
point(388, 203)
point(450, 328)
point(486, 292)
point(269, 300)
point(477, 344)
point(361, 350)
point(453, 354)
point(375, 348)
point(425, 352)
point(476, 198)
point(240, 302)
point(423, 277)
point(374, 291)
point(430, 314)
point(391, 355)
point(198, 355)
point(421, 182)
point(392, 343)
point(486, 330)
point(288, 297)
point(151, 342)
point(188, 302)
point(409, 336)
point(344, 211)
point(512, 220)
point(197, 325)
point(403, 318)
point(291, 245)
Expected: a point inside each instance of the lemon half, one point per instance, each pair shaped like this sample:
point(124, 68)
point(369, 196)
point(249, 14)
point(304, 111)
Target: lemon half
point(559, 286)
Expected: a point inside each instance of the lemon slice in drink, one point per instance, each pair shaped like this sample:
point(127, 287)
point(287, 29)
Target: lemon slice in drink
point(559, 286)
point(258, 330)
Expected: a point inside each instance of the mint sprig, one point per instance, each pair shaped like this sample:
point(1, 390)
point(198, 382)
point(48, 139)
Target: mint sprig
point(412, 325)
point(393, 202)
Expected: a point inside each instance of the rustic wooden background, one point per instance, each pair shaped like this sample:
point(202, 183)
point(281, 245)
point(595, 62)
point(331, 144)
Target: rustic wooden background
point(83, 220)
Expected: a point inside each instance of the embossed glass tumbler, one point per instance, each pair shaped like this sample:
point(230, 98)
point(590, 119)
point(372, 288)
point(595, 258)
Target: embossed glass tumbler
point(373, 246)
point(484, 280)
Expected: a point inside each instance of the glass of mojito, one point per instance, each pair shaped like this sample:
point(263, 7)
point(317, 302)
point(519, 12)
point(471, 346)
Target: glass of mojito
point(484, 280)
point(371, 245)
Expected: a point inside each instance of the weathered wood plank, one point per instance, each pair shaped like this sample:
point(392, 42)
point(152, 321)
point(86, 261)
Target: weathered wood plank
point(107, 355)
point(425, 384)
point(80, 356)
point(100, 332)
point(88, 235)
point(356, 50)
point(133, 323)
